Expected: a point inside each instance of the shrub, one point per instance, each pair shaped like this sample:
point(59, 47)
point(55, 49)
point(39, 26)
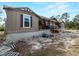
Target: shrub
point(1, 29)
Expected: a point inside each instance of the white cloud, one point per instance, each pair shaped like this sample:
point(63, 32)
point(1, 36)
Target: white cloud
point(57, 8)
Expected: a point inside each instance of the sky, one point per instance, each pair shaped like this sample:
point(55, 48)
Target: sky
point(47, 9)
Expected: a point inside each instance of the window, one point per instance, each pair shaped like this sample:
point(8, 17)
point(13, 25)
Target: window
point(26, 21)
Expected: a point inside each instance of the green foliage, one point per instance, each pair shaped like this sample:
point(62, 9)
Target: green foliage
point(65, 16)
point(1, 29)
point(69, 25)
point(53, 18)
point(74, 24)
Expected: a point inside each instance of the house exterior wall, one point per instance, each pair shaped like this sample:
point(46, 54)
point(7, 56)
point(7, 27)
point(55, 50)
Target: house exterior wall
point(13, 22)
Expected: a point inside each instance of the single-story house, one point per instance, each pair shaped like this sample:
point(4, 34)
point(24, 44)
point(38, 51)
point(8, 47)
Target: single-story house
point(22, 22)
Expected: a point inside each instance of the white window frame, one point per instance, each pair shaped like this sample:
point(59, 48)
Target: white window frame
point(29, 21)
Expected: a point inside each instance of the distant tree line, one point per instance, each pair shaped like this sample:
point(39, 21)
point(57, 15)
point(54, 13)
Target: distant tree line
point(69, 24)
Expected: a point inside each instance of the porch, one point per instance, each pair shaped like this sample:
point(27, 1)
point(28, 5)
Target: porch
point(49, 24)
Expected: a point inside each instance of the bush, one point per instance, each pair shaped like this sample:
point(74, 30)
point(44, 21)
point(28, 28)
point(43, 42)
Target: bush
point(1, 29)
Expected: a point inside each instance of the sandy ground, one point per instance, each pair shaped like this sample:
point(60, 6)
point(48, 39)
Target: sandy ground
point(63, 44)
point(73, 49)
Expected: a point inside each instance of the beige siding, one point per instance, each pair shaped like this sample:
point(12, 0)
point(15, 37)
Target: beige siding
point(13, 22)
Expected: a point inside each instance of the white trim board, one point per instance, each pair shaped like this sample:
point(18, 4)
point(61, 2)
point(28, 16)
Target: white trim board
point(29, 21)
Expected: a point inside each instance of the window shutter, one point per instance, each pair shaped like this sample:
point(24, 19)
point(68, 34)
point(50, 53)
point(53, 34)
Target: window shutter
point(21, 20)
point(31, 20)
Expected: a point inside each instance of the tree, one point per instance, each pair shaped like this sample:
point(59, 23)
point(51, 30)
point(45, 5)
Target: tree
point(65, 17)
point(58, 17)
point(53, 18)
point(76, 21)
point(68, 24)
